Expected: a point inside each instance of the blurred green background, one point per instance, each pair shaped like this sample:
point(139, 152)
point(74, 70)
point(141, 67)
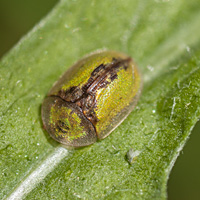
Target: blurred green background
point(18, 17)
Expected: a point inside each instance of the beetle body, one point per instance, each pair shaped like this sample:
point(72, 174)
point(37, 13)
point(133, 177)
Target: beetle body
point(91, 98)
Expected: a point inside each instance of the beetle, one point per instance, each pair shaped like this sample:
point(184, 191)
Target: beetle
point(91, 98)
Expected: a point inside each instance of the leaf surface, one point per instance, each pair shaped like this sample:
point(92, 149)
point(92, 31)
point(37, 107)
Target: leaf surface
point(163, 37)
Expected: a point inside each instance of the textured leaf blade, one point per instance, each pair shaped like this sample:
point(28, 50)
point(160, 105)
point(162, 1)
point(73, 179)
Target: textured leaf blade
point(163, 39)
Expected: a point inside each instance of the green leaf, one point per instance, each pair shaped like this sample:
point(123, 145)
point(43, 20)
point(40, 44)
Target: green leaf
point(163, 37)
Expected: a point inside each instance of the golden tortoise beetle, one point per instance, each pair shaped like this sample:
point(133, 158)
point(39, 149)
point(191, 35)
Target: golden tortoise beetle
point(91, 98)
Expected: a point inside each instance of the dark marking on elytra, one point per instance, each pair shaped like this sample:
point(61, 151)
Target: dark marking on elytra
point(112, 78)
point(99, 68)
point(72, 94)
point(101, 76)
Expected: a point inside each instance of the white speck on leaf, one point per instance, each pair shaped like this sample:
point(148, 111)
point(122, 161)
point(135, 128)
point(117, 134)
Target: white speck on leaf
point(173, 106)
